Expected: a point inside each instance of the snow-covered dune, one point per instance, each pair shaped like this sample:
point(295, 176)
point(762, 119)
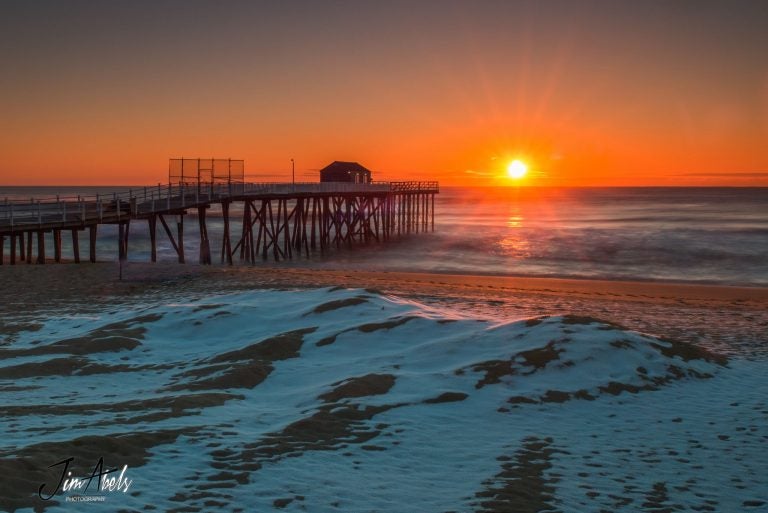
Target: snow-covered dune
point(346, 400)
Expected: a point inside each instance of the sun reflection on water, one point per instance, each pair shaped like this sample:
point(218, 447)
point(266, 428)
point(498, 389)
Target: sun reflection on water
point(516, 246)
point(515, 221)
point(515, 243)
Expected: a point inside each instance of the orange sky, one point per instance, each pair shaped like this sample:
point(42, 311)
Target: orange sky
point(588, 93)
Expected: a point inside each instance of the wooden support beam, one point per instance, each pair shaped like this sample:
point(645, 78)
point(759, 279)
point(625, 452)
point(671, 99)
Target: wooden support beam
point(398, 212)
point(125, 240)
point(168, 232)
point(276, 248)
point(424, 207)
point(14, 240)
point(275, 234)
point(57, 245)
point(76, 245)
point(333, 218)
point(324, 224)
point(29, 247)
point(242, 243)
point(408, 206)
point(349, 221)
point(286, 234)
point(416, 215)
point(246, 244)
point(350, 217)
point(121, 242)
point(393, 213)
point(376, 215)
point(122, 239)
point(180, 228)
point(410, 213)
point(251, 245)
point(423, 212)
point(359, 215)
point(393, 216)
point(296, 230)
point(92, 242)
point(205, 246)
point(152, 221)
point(226, 244)
point(330, 221)
point(257, 217)
point(384, 216)
point(299, 229)
point(420, 217)
point(433, 212)
point(40, 246)
point(261, 234)
point(245, 250)
point(305, 216)
point(337, 220)
point(312, 241)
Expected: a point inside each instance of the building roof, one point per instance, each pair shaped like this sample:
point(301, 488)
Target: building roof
point(340, 166)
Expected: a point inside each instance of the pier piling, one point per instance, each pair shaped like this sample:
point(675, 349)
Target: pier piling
point(92, 240)
point(40, 246)
point(76, 245)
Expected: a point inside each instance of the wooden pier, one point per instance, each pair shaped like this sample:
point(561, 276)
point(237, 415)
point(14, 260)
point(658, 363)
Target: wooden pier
point(279, 220)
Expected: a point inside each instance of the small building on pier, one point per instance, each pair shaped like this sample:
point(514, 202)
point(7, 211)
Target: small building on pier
point(351, 172)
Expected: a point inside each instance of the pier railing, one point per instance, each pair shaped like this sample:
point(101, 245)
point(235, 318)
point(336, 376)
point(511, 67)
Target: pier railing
point(413, 186)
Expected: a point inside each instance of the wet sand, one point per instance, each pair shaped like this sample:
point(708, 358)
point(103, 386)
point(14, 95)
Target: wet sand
point(715, 315)
point(33, 284)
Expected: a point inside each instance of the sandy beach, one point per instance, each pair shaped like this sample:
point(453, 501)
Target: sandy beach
point(268, 373)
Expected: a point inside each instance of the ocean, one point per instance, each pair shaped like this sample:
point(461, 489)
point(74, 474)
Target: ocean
point(704, 235)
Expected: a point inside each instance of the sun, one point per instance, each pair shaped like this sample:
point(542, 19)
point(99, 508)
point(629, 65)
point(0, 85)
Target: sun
point(517, 169)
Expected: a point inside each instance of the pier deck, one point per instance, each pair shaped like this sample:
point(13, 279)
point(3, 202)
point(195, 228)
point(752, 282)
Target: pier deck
point(278, 219)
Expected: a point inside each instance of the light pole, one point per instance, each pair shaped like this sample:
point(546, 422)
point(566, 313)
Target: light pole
point(293, 173)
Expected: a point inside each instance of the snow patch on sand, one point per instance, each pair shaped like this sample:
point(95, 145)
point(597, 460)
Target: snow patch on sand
point(347, 400)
